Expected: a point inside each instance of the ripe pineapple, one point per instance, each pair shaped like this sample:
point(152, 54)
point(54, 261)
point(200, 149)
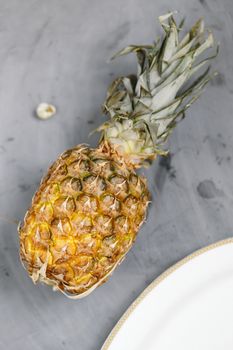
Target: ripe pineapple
point(87, 211)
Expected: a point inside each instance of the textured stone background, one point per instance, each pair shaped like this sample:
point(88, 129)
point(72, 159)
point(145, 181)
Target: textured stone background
point(57, 51)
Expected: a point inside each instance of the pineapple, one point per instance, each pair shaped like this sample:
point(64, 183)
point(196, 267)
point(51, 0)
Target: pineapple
point(88, 209)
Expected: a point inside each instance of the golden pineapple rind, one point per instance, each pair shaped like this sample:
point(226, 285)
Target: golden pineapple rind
point(83, 220)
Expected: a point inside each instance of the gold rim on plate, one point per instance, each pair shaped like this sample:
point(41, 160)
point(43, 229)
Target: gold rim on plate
point(155, 283)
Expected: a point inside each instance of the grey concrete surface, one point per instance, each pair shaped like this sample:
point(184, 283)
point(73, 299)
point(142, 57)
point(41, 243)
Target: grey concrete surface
point(57, 51)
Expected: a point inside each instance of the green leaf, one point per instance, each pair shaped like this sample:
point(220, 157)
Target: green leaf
point(157, 98)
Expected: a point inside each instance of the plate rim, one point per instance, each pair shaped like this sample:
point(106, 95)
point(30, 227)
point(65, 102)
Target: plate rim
point(155, 283)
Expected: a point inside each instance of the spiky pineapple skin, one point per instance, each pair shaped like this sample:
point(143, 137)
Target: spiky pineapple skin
point(83, 219)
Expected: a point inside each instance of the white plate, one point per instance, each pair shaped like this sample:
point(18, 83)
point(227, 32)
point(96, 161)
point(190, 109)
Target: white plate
point(190, 306)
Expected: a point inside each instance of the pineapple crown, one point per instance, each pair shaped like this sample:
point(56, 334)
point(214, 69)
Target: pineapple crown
point(144, 108)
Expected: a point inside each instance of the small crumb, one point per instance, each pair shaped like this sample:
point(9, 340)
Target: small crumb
point(45, 111)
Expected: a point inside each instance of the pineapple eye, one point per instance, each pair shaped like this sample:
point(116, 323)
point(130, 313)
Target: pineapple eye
point(84, 165)
point(56, 222)
point(133, 179)
point(117, 180)
point(100, 161)
point(119, 184)
point(94, 184)
point(84, 282)
point(139, 220)
point(127, 241)
point(81, 149)
point(104, 225)
point(64, 205)
point(80, 167)
point(121, 224)
point(131, 205)
point(110, 240)
point(76, 184)
point(61, 171)
point(70, 204)
point(63, 269)
point(50, 192)
point(71, 184)
point(82, 223)
point(45, 212)
point(86, 222)
point(144, 198)
point(65, 184)
point(137, 186)
point(130, 201)
point(66, 154)
point(86, 203)
point(108, 199)
point(141, 184)
point(82, 263)
point(103, 164)
point(117, 169)
point(61, 226)
point(102, 167)
point(101, 184)
point(105, 262)
point(110, 205)
point(89, 180)
point(109, 246)
point(42, 232)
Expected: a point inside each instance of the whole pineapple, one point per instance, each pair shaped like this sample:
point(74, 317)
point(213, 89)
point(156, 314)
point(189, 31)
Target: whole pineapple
point(87, 211)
